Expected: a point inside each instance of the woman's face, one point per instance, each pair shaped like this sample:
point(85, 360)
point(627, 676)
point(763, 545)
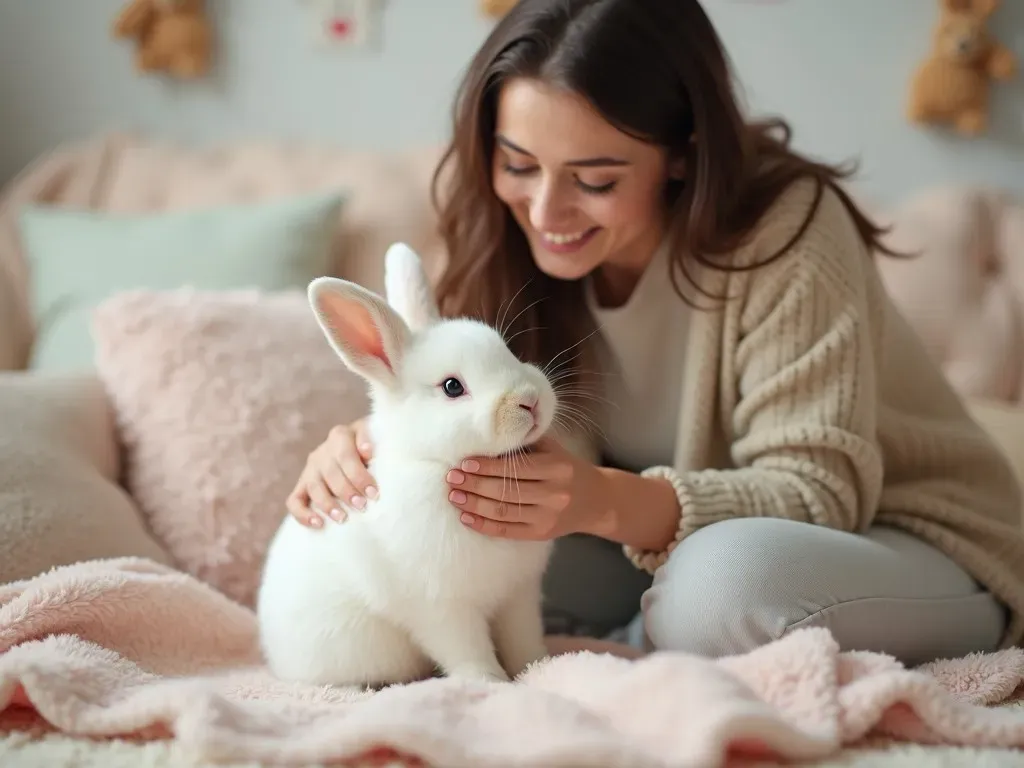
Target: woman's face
point(587, 195)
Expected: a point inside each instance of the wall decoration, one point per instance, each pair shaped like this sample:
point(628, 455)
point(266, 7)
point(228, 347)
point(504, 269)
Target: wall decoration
point(496, 8)
point(951, 87)
point(172, 37)
point(346, 22)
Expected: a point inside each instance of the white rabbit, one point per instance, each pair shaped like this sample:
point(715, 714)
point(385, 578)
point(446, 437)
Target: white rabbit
point(403, 587)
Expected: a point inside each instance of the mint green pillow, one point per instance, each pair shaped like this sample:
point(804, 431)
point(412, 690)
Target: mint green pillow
point(79, 258)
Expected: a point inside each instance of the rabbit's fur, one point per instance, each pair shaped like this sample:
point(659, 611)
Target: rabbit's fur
point(403, 587)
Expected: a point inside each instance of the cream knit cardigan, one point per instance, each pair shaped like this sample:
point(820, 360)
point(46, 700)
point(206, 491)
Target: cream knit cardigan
point(807, 396)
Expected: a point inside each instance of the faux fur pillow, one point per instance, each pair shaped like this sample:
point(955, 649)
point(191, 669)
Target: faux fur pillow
point(219, 398)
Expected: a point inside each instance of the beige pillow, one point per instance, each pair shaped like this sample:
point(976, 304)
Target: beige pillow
point(219, 397)
point(59, 498)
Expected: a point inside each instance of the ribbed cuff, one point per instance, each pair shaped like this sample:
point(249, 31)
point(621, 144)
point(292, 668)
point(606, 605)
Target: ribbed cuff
point(703, 497)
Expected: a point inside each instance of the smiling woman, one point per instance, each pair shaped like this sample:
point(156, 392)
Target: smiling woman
point(773, 444)
point(585, 194)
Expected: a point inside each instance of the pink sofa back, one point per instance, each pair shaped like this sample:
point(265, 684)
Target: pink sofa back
point(964, 294)
point(387, 199)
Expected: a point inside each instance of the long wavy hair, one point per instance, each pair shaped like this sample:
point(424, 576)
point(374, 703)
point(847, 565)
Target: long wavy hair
point(655, 69)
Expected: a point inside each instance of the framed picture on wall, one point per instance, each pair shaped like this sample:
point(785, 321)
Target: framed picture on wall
point(346, 23)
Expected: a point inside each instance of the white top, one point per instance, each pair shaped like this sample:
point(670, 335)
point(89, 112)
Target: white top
point(641, 346)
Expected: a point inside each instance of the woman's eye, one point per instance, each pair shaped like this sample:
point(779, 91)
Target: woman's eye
point(599, 189)
point(590, 189)
point(453, 388)
point(517, 170)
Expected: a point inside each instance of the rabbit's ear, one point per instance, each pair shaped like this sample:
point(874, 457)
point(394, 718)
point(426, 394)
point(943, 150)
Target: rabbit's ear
point(408, 289)
point(365, 332)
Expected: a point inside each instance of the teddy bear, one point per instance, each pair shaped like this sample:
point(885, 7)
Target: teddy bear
point(951, 86)
point(172, 36)
point(497, 7)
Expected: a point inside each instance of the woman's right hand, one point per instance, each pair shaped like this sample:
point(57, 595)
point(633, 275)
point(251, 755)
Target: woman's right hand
point(335, 471)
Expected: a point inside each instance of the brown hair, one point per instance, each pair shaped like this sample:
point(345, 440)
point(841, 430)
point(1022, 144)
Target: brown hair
point(655, 69)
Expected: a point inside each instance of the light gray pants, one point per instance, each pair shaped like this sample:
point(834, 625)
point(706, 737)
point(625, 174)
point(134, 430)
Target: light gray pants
point(738, 584)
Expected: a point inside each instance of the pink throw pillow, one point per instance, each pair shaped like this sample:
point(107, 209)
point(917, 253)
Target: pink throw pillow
point(219, 398)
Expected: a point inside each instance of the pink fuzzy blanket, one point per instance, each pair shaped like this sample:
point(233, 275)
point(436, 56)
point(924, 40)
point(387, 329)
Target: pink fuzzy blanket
point(125, 646)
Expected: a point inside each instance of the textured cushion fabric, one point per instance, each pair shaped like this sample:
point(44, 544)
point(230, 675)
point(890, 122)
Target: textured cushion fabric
point(962, 293)
point(219, 398)
point(78, 258)
point(59, 462)
point(1004, 422)
point(75, 174)
point(387, 198)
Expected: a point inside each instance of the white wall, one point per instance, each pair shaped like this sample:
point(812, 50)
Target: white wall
point(838, 69)
point(62, 75)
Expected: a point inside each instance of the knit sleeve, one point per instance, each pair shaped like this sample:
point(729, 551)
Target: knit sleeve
point(803, 411)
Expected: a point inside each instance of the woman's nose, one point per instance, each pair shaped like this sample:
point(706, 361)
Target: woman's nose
point(547, 208)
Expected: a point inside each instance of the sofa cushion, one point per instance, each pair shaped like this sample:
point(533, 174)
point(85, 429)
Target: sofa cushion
point(1004, 423)
point(962, 289)
point(60, 502)
point(78, 258)
point(386, 200)
point(387, 192)
point(219, 398)
point(74, 174)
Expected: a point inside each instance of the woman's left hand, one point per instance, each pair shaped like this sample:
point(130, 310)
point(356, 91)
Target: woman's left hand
point(544, 494)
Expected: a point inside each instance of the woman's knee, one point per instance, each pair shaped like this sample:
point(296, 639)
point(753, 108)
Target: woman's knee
point(727, 588)
point(739, 584)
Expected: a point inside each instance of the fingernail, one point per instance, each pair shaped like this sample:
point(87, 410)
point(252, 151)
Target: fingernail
point(471, 465)
point(466, 518)
point(337, 514)
point(316, 522)
point(365, 447)
point(358, 502)
point(458, 497)
point(456, 477)
point(371, 492)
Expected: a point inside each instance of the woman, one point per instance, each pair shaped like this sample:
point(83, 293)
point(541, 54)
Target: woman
point(777, 448)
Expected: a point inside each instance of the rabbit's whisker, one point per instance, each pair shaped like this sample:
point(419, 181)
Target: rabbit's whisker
point(568, 417)
point(573, 346)
point(524, 309)
point(525, 330)
point(503, 310)
point(575, 392)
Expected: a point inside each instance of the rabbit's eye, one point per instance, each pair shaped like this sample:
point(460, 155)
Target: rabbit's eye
point(453, 388)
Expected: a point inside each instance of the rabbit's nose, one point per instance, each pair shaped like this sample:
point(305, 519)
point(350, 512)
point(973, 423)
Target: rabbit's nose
point(529, 404)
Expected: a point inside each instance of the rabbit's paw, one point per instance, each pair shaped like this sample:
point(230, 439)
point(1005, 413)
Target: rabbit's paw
point(481, 673)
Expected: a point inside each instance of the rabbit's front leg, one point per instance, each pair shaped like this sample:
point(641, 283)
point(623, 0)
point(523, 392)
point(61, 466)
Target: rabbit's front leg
point(519, 629)
point(458, 639)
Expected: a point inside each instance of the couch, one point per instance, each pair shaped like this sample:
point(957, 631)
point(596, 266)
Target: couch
point(965, 295)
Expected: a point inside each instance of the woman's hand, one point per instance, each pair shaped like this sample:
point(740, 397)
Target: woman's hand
point(335, 472)
point(541, 495)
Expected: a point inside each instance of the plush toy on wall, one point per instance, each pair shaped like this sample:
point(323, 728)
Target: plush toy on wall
point(497, 8)
point(951, 87)
point(172, 36)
